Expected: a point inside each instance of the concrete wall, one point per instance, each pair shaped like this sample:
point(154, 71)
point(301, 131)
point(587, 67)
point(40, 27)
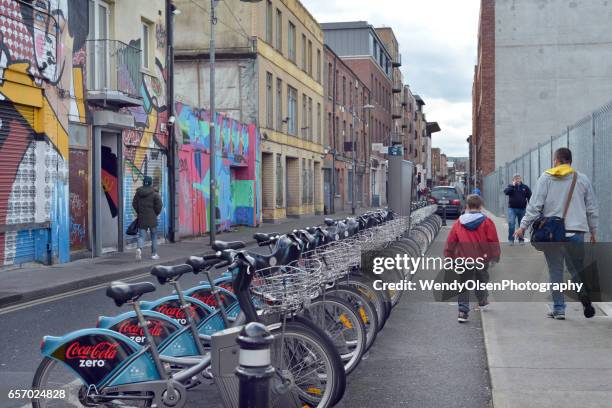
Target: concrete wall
point(552, 68)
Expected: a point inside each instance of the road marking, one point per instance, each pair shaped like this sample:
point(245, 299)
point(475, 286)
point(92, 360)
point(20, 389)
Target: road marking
point(75, 292)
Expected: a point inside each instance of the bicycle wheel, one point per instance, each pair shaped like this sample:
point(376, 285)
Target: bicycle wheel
point(365, 308)
point(306, 362)
point(343, 325)
point(53, 375)
point(380, 298)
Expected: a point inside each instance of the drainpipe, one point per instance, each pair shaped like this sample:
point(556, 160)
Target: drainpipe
point(332, 203)
point(172, 164)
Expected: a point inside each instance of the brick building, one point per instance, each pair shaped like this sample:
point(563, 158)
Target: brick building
point(363, 51)
point(346, 121)
point(482, 141)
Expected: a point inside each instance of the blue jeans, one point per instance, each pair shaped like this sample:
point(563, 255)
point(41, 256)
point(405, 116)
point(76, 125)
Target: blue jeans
point(513, 214)
point(463, 300)
point(142, 236)
point(568, 254)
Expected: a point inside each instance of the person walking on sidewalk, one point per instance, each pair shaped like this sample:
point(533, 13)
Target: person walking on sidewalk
point(473, 236)
point(518, 197)
point(148, 205)
point(550, 200)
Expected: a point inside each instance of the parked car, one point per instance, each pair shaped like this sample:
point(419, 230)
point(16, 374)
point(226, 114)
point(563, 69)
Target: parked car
point(448, 196)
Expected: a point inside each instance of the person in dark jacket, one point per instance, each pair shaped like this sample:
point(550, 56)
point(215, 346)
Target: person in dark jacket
point(148, 205)
point(518, 197)
point(473, 236)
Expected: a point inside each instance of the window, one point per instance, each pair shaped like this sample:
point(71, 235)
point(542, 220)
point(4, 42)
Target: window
point(310, 122)
point(344, 134)
point(304, 117)
point(304, 61)
point(319, 120)
point(304, 182)
point(309, 57)
point(350, 97)
point(310, 183)
point(328, 126)
point(269, 101)
point(330, 79)
point(344, 90)
point(269, 22)
point(279, 180)
point(292, 40)
point(319, 66)
point(279, 31)
point(144, 42)
point(291, 110)
point(98, 66)
point(337, 136)
point(279, 104)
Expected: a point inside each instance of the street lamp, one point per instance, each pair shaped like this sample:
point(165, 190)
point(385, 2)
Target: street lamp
point(366, 108)
point(212, 214)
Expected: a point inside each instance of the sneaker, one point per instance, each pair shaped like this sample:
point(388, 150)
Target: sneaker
point(511, 243)
point(138, 254)
point(589, 310)
point(556, 315)
point(155, 257)
point(483, 305)
point(462, 317)
point(522, 243)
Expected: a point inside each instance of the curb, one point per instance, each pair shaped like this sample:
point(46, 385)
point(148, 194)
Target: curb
point(14, 299)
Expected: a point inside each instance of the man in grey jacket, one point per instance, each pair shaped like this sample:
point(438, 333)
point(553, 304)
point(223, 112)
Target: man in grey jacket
point(549, 199)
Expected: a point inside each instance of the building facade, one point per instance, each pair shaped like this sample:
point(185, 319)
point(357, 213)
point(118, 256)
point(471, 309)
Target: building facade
point(346, 122)
point(363, 51)
point(269, 71)
point(538, 70)
point(84, 118)
point(397, 131)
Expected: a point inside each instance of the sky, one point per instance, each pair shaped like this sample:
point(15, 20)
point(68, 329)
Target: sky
point(437, 41)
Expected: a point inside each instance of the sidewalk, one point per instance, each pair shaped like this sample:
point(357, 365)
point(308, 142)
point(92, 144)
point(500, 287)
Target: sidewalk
point(35, 281)
point(535, 361)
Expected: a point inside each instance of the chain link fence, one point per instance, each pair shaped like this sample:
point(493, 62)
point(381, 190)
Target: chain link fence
point(590, 140)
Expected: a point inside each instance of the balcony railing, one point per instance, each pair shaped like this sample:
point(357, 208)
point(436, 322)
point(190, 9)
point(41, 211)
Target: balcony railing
point(113, 72)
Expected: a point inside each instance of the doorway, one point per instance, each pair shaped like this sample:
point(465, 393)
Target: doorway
point(110, 202)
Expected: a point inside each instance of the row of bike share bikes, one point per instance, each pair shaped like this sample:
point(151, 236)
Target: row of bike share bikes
point(309, 291)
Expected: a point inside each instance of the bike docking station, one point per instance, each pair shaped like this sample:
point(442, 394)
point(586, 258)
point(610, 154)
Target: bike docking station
point(401, 173)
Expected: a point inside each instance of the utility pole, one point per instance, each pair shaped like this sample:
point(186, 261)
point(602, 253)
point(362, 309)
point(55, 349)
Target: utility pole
point(213, 133)
point(354, 184)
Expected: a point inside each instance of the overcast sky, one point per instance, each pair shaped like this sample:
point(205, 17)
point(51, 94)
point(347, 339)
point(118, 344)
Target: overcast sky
point(437, 41)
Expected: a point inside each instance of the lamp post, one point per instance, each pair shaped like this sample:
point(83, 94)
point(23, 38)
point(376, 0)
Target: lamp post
point(366, 107)
point(212, 214)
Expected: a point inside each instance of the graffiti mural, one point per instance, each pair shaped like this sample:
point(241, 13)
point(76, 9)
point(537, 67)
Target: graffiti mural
point(41, 87)
point(236, 170)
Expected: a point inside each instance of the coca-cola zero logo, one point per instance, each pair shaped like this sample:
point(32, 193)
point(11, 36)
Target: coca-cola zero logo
point(133, 330)
point(92, 355)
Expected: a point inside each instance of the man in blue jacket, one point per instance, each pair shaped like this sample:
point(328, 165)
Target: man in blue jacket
point(518, 197)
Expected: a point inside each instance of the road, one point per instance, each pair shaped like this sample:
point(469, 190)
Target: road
point(422, 358)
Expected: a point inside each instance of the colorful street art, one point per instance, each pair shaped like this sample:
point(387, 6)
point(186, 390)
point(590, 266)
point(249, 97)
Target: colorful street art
point(237, 169)
point(41, 87)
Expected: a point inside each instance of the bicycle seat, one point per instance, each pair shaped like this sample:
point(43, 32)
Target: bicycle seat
point(166, 273)
point(329, 222)
point(122, 292)
point(223, 245)
point(265, 237)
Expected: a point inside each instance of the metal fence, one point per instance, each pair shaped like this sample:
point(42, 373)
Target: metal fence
point(590, 140)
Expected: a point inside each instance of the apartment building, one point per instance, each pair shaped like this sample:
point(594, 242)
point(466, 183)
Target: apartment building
point(347, 119)
point(84, 117)
point(364, 52)
point(269, 71)
point(397, 86)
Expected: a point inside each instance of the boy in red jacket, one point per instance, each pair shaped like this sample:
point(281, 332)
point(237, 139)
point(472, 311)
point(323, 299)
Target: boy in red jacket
point(473, 236)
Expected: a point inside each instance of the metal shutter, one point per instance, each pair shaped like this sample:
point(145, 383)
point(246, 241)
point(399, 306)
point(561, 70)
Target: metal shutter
point(17, 184)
